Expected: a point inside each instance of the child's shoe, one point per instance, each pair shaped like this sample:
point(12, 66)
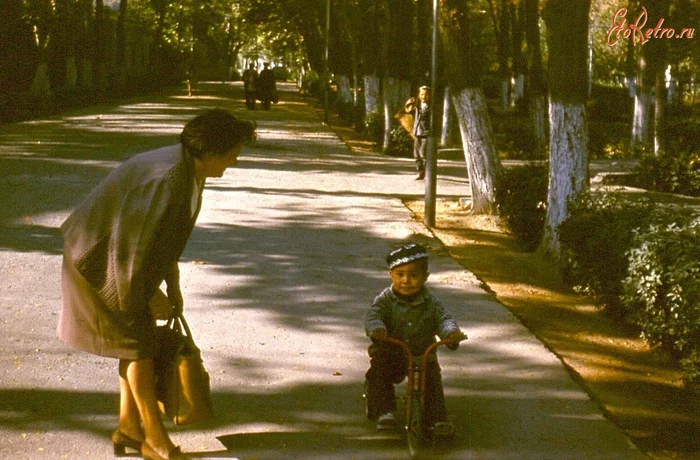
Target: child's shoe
point(443, 429)
point(386, 422)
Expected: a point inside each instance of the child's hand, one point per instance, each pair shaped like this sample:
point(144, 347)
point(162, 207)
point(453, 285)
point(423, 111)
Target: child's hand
point(454, 338)
point(379, 334)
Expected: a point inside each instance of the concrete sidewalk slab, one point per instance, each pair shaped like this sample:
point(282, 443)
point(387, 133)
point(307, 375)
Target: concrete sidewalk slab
point(287, 256)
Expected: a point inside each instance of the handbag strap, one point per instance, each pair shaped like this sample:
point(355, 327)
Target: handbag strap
point(179, 324)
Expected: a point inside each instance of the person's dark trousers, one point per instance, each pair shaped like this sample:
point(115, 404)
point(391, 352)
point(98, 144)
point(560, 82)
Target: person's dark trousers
point(387, 368)
point(420, 150)
point(250, 99)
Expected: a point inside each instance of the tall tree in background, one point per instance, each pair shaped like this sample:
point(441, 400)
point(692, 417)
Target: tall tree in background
point(567, 39)
point(517, 17)
point(61, 59)
point(397, 57)
point(651, 67)
point(660, 49)
point(121, 67)
point(464, 68)
point(42, 15)
point(17, 50)
point(100, 62)
point(535, 84)
point(370, 58)
point(500, 17)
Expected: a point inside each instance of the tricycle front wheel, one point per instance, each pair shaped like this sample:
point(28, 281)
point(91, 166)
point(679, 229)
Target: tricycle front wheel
point(414, 427)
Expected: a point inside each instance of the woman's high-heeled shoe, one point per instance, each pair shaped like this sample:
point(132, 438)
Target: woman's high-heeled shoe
point(120, 441)
point(175, 453)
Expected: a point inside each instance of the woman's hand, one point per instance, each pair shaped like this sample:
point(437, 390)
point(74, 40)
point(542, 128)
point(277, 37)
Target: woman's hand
point(160, 306)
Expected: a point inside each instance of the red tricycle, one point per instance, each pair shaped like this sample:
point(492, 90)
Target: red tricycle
point(415, 390)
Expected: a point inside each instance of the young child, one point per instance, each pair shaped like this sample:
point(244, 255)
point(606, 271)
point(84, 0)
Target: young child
point(410, 312)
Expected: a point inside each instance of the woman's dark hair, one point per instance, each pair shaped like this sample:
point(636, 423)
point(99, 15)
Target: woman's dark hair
point(216, 132)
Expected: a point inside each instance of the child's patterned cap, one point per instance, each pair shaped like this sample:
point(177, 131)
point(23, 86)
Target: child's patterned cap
point(405, 254)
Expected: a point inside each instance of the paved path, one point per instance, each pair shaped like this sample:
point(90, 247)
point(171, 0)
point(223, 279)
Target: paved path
point(287, 255)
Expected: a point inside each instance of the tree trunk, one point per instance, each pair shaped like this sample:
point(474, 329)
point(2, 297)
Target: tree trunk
point(464, 72)
point(121, 67)
point(517, 15)
point(424, 18)
point(371, 83)
point(446, 133)
point(661, 9)
point(60, 49)
point(500, 16)
point(535, 80)
point(641, 126)
point(651, 62)
point(660, 112)
point(567, 37)
point(41, 84)
point(100, 62)
point(483, 165)
point(344, 91)
point(568, 166)
point(84, 44)
point(352, 37)
point(397, 41)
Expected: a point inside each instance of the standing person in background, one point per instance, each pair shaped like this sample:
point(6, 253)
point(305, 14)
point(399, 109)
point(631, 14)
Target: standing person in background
point(120, 244)
point(421, 127)
point(250, 81)
point(267, 87)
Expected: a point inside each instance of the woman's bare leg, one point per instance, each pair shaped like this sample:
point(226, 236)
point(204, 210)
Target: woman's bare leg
point(129, 417)
point(140, 379)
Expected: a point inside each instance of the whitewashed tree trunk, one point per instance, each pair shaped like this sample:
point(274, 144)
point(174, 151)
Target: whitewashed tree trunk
point(567, 40)
point(395, 93)
point(568, 166)
point(371, 93)
point(483, 164)
point(446, 132)
point(344, 91)
point(641, 128)
point(518, 88)
point(631, 85)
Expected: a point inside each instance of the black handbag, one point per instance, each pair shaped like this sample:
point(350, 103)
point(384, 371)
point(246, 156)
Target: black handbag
point(182, 383)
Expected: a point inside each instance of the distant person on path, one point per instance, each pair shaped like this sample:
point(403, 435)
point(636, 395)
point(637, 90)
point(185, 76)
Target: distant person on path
point(407, 311)
point(120, 244)
point(250, 81)
point(267, 87)
point(421, 127)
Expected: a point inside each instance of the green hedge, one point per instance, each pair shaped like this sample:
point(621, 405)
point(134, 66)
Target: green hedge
point(595, 239)
point(640, 262)
point(522, 201)
point(661, 291)
point(671, 171)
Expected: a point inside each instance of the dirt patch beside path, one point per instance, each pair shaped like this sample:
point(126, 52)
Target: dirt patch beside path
point(638, 388)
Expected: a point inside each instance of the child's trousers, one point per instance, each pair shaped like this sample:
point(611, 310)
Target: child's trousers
point(388, 366)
